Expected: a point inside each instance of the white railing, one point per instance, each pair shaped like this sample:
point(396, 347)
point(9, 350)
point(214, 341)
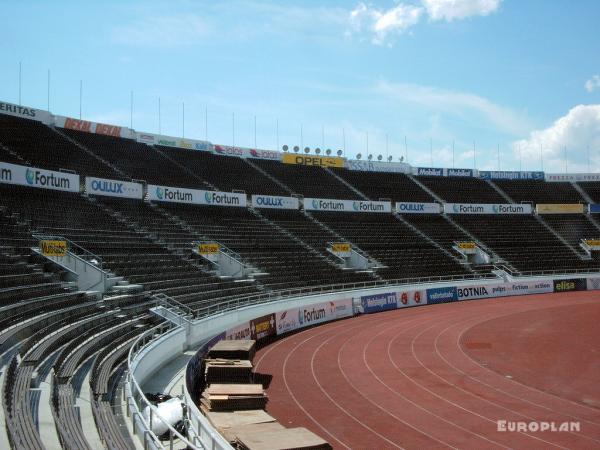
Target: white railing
point(137, 401)
point(270, 296)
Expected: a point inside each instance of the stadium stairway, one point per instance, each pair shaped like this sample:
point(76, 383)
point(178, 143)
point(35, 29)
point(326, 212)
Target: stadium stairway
point(577, 227)
point(117, 171)
point(437, 235)
point(296, 229)
point(187, 280)
point(286, 189)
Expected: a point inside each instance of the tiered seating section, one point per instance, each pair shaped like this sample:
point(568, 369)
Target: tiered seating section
point(535, 191)
point(524, 242)
point(404, 253)
point(45, 323)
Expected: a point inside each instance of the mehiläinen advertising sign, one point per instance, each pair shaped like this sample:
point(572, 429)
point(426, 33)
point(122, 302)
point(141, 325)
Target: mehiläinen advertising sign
point(305, 316)
point(195, 196)
point(113, 188)
point(487, 208)
point(275, 202)
point(325, 204)
point(418, 208)
point(38, 178)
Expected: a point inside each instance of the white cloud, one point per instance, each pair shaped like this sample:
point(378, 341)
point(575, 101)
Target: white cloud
point(382, 23)
point(163, 31)
point(575, 131)
point(459, 9)
point(593, 83)
point(456, 103)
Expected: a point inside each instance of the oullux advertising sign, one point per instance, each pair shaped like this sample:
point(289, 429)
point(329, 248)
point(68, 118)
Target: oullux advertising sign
point(274, 202)
point(418, 208)
point(38, 178)
point(195, 196)
point(486, 208)
point(325, 204)
point(113, 188)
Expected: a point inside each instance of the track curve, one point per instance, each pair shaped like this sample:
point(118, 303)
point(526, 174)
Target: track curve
point(442, 376)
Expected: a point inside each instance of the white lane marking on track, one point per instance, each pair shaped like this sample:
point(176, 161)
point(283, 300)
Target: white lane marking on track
point(312, 367)
point(316, 422)
point(440, 396)
point(398, 394)
point(530, 387)
point(495, 388)
point(420, 430)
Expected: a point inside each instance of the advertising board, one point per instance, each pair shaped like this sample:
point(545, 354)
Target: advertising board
point(417, 208)
point(379, 302)
point(195, 196)
point(487, 208)
point(304, 316)
point(38, 178)
point(113, 188)
point(275, 202)
point(326, 204)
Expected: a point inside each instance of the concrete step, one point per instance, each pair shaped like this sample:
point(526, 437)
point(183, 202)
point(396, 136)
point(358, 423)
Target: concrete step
point(128, 289)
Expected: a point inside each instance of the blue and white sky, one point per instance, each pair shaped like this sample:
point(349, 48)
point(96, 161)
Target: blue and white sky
point(513, 74)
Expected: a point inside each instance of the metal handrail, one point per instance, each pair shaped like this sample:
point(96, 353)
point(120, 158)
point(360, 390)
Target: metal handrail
point(340, 287)
point(530, 273)
point(86, 254)
point(164, 300)
point(138, 345)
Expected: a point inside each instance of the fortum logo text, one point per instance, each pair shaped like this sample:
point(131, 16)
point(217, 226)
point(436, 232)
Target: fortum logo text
point(36, 178)
point(367, 207)
point(306, 316)
point(173, 194)
point(221, 198)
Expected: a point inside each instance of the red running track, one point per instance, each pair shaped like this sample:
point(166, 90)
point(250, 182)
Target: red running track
point(442, 376)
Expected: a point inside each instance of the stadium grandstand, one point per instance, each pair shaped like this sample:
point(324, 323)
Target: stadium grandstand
point(125, 256)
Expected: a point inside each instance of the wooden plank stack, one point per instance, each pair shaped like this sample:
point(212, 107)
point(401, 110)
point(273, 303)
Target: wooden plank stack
point(231, 434)
point(233, 349)
point(235, 407)
point(221, 371)
point(223, 421)
point(233, 397)
point(281, 439)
